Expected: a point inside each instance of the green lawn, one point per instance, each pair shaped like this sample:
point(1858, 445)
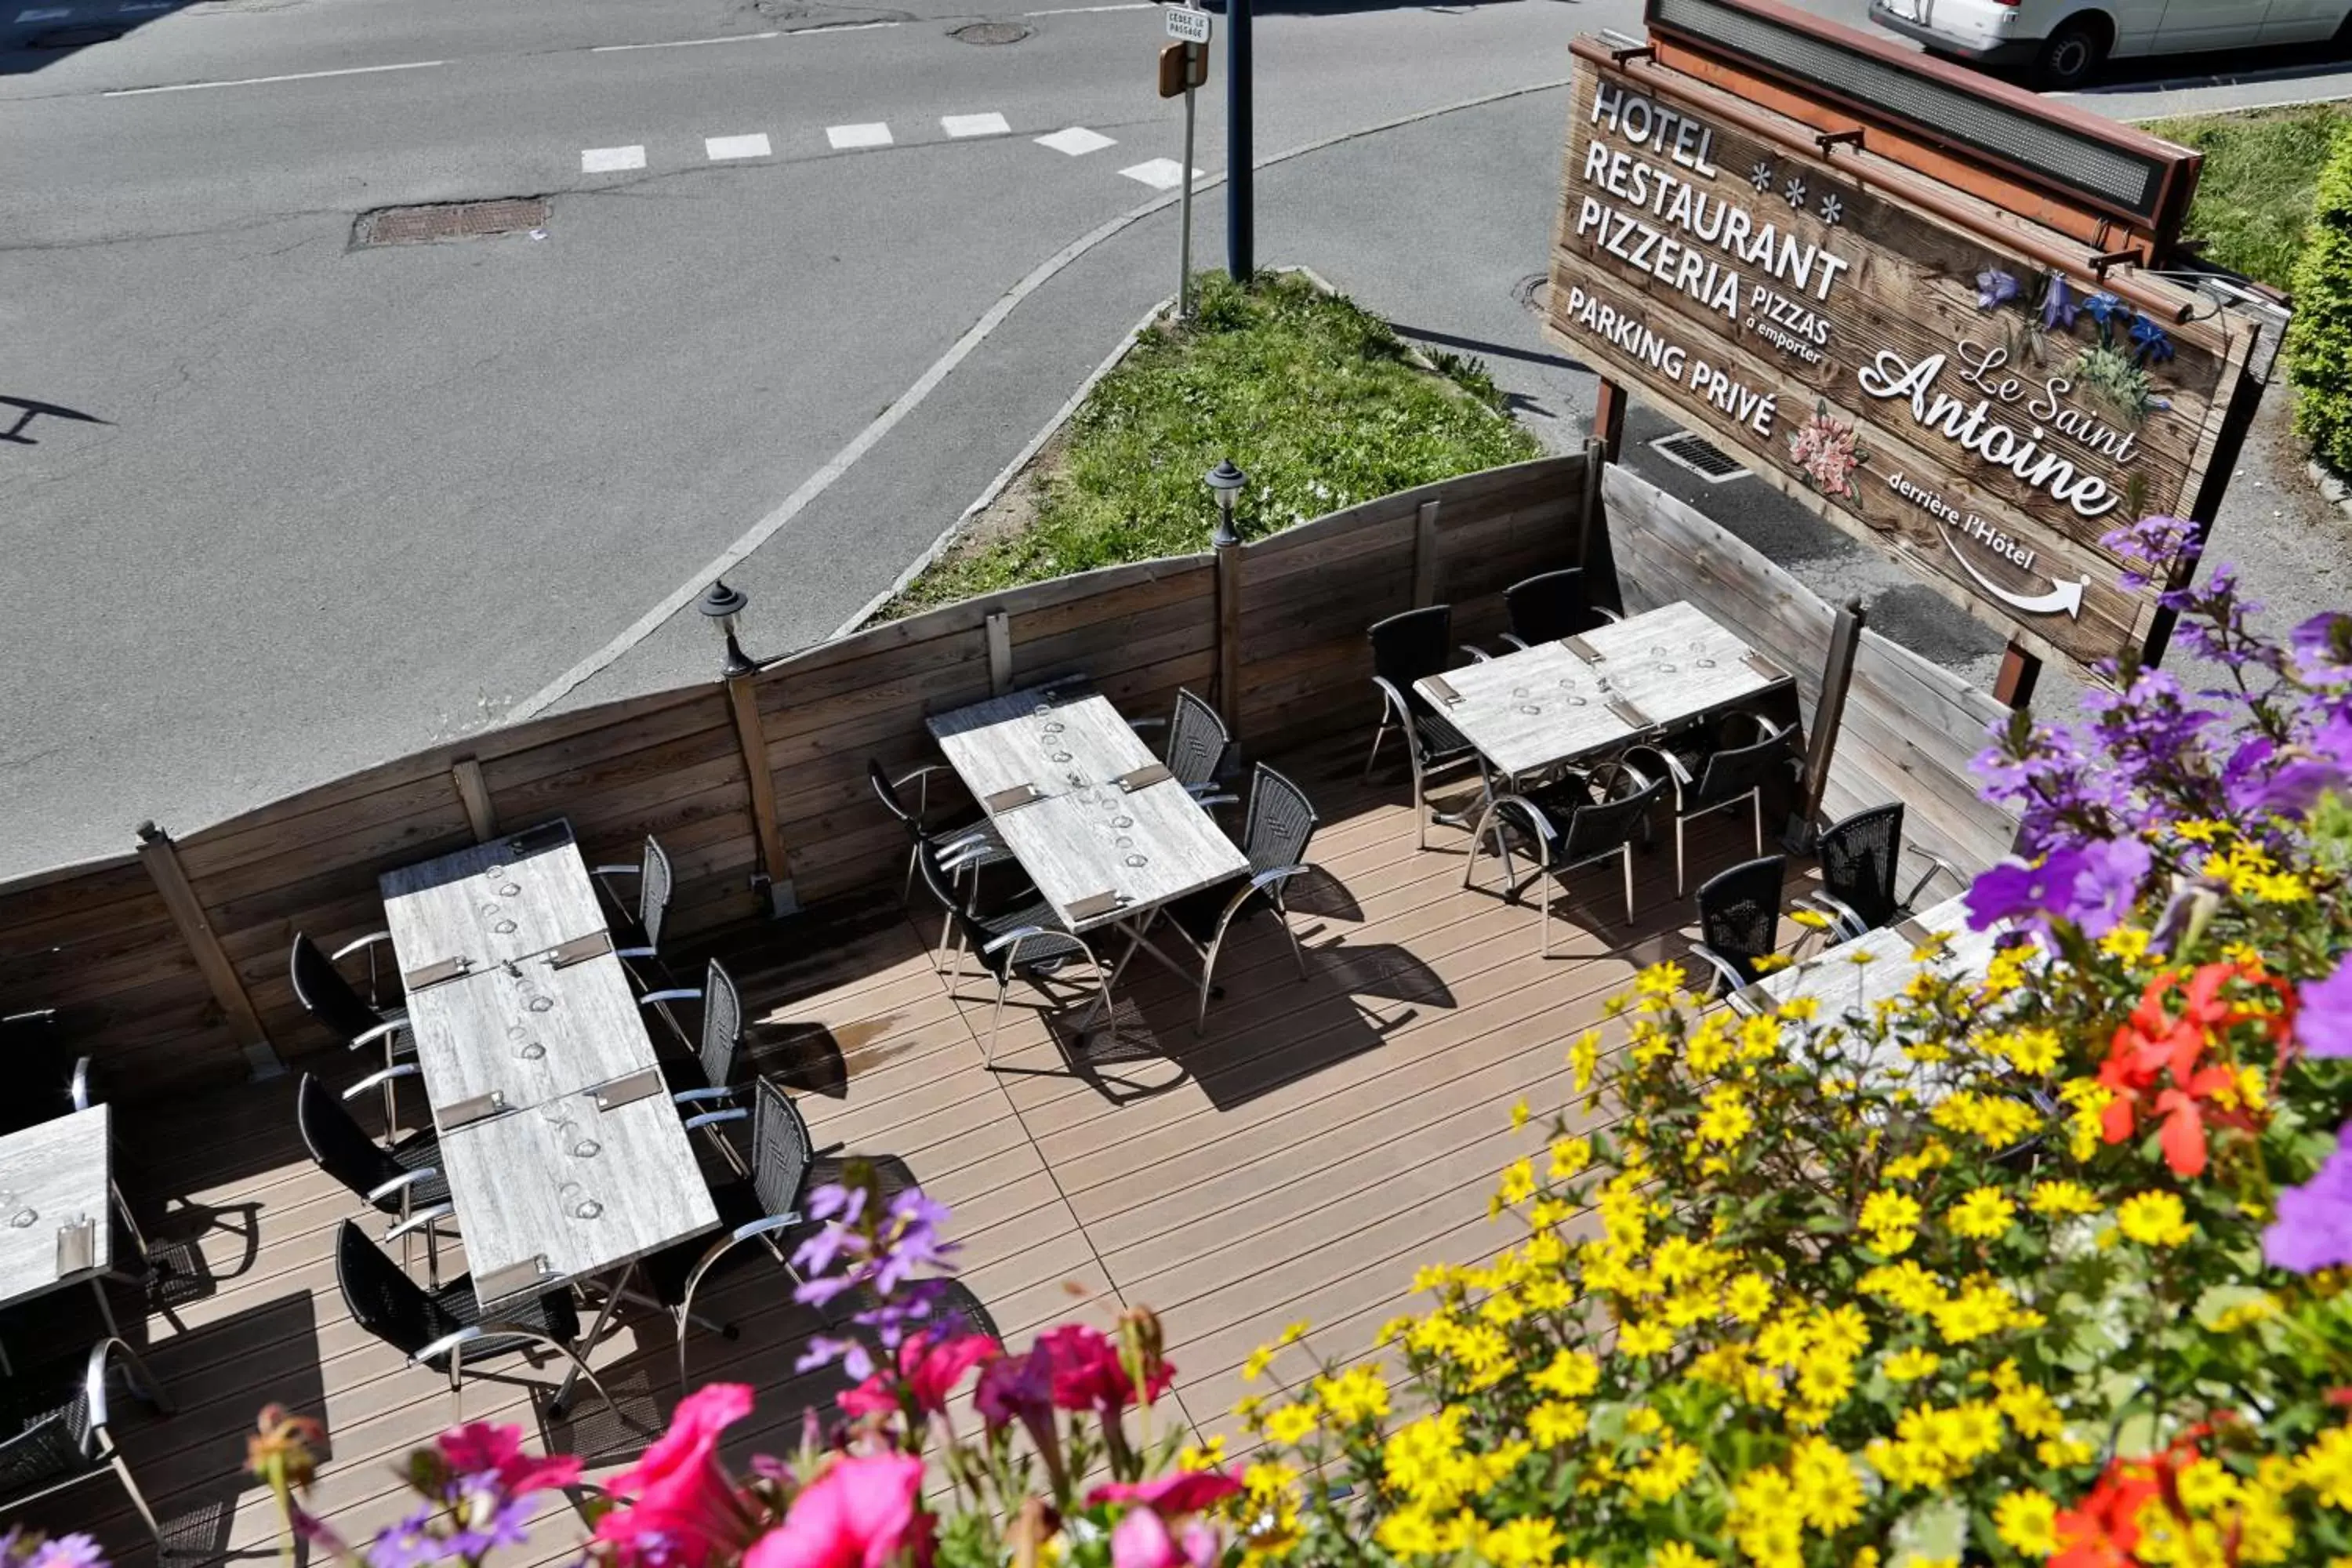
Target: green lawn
point(1313, 396)
point(2254, 196)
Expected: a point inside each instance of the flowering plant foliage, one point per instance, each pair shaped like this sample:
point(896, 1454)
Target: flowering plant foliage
point(1824, 448)
point(2044, 1263)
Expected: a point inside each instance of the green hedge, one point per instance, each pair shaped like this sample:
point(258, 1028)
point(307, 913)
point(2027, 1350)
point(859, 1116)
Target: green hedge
point(2319, 342)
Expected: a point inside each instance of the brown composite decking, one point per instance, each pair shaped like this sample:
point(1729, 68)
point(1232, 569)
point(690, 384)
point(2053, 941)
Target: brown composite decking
point(1297, 1162)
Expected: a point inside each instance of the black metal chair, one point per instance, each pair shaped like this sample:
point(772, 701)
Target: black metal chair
point(968, 835)
point(357, 1021)
point(1024, 942)
point(60, 1429)
point(641, 923)
point(1738, 919)
point(759, 1206)
point(1602, 815)
point(1861, 859)
point(1198, 746)
point(704, 1085)
point(401, 1179)
point(1549, 607)
point(1405, 648)
point(443, 1328)
point(41, 1077)
point(1723, 778)
point(1274, 834)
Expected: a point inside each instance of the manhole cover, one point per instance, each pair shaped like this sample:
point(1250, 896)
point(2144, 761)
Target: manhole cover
point(448, 220)
point(990, 33)
point(1700, 455)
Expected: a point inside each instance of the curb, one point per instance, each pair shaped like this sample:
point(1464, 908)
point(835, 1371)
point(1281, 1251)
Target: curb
point(2332, 487)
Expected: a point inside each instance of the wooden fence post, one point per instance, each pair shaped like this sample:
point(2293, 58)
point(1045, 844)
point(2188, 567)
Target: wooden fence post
point(1229, 635)
point(1593, 556)
point(161, 859)
point(466, 773)
point(1829, 712)
point(751, 737)
point(1000, 653)
point(1424, 554)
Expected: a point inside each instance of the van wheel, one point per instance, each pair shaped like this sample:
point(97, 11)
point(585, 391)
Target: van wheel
point(2068, 56)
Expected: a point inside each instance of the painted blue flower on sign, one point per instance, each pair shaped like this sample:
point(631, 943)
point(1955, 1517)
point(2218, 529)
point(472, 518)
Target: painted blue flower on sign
point(1995, 287)
point(2059, 305)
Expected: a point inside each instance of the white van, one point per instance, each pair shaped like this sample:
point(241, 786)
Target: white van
point(2062, 42)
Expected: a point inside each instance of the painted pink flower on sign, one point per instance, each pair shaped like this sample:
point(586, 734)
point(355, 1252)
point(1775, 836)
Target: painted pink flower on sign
point(1824, 448)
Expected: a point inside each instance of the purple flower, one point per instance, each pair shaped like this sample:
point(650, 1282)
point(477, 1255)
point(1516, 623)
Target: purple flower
point(2323, 647)
point(2091, 887)
point(2313, 1229)
point(2058, 306)
point(505, 1527)
point(2150, 546)
point(75, 1551)
point(2288, 781)
point(823, 1350)
point(2323, 1026)
point(410, 1544)
point(2103, 306)
point(1994, 287)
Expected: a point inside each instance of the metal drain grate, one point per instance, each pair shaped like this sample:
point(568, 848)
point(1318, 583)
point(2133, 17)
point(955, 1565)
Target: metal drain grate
point(448, 220)
point(990, 33)
point(1686, 449)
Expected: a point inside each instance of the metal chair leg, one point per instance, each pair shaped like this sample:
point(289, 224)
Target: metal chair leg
point(1378, 736)
point(996, 1022)
point(1678, 855)
point(1543, 914)
point(1755, 803)
point(1626, 858)
point(138, 1499)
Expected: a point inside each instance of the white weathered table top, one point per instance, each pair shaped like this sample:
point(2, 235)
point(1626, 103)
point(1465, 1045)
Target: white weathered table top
point(1844, 983)
point(527, 1033)
point(1531, 709)
point(52, 1175)
point(1088, 836)
point(577, 1190)
point(488, 904)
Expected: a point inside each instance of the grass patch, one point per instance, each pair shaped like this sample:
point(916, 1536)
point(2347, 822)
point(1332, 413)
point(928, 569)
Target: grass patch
point(2254, 199)
point(1311, 394)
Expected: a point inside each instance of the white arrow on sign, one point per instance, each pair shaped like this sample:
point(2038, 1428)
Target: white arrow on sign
point(2065, 598)
point(1188, 26)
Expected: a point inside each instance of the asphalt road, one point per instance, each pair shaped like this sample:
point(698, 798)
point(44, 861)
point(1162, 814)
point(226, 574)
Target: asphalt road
point(304, 506)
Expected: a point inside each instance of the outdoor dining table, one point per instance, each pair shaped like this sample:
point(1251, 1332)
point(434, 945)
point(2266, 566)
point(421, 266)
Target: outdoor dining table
point(566, 1158)
point(1097, 823)
point(56, 1227)
point(1853, 977)
point(1565, 701)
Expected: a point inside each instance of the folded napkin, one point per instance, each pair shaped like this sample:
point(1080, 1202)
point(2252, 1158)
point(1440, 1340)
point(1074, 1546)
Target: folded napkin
point(1144, 777)
point(1581, 649)
point(434, 974)
point(1765, 667)
point(1095, 904)
point(1625, 711)
point(481, 1108)
point(628, 1090)
point(580, 949)
point(1445, 692)
point(546, 835)
point(500, 1283)
point(1006, 799)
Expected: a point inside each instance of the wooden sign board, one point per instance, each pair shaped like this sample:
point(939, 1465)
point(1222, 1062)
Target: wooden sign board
point(1984, 417)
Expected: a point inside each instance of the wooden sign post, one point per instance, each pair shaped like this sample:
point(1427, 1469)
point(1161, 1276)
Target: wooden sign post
point(1985, 398)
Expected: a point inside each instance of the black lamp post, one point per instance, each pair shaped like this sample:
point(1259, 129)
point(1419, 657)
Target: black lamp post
point(724, 606)
point(1225, 482)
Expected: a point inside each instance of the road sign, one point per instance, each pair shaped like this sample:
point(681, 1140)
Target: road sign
point(1188, 26)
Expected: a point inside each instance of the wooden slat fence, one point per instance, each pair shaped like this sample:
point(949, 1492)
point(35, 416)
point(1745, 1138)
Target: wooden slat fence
point(1910, 727)
point(100, 941)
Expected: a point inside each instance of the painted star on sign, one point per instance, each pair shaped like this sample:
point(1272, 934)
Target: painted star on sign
point(1795, 192)
point(1761, 176)
point(1833, 209)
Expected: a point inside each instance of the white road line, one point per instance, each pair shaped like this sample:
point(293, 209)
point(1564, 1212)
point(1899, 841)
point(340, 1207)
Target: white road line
point(264, 80)
point(1159, 174)
point(46, 14)
point(907, 402)
point(847, 138)
point(684, 43)
point(611, 160)
point(1077, 141)
point(140, 8)
point(1090, 10)
point(720, 148)
point(975, 125)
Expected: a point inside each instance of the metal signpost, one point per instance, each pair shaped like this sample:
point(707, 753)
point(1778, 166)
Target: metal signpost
point(1184, 64)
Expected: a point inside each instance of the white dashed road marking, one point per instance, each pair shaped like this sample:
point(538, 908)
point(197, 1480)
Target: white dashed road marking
point(847, 138)
point(1160, 174)
point(975, 125)
point(1077, 141)
point(611, 160)
point(683, 42)
point(264, 80)
point(720, 148)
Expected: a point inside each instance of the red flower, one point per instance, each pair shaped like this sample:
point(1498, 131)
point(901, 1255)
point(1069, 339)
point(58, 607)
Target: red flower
point(2103, 1532)
point(2153, 1045)
point(862, 1513)
point(478, 1448)
point(930, 1366)
point(1087, 1375)
point(1178, 1492)
point(682, 1508)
